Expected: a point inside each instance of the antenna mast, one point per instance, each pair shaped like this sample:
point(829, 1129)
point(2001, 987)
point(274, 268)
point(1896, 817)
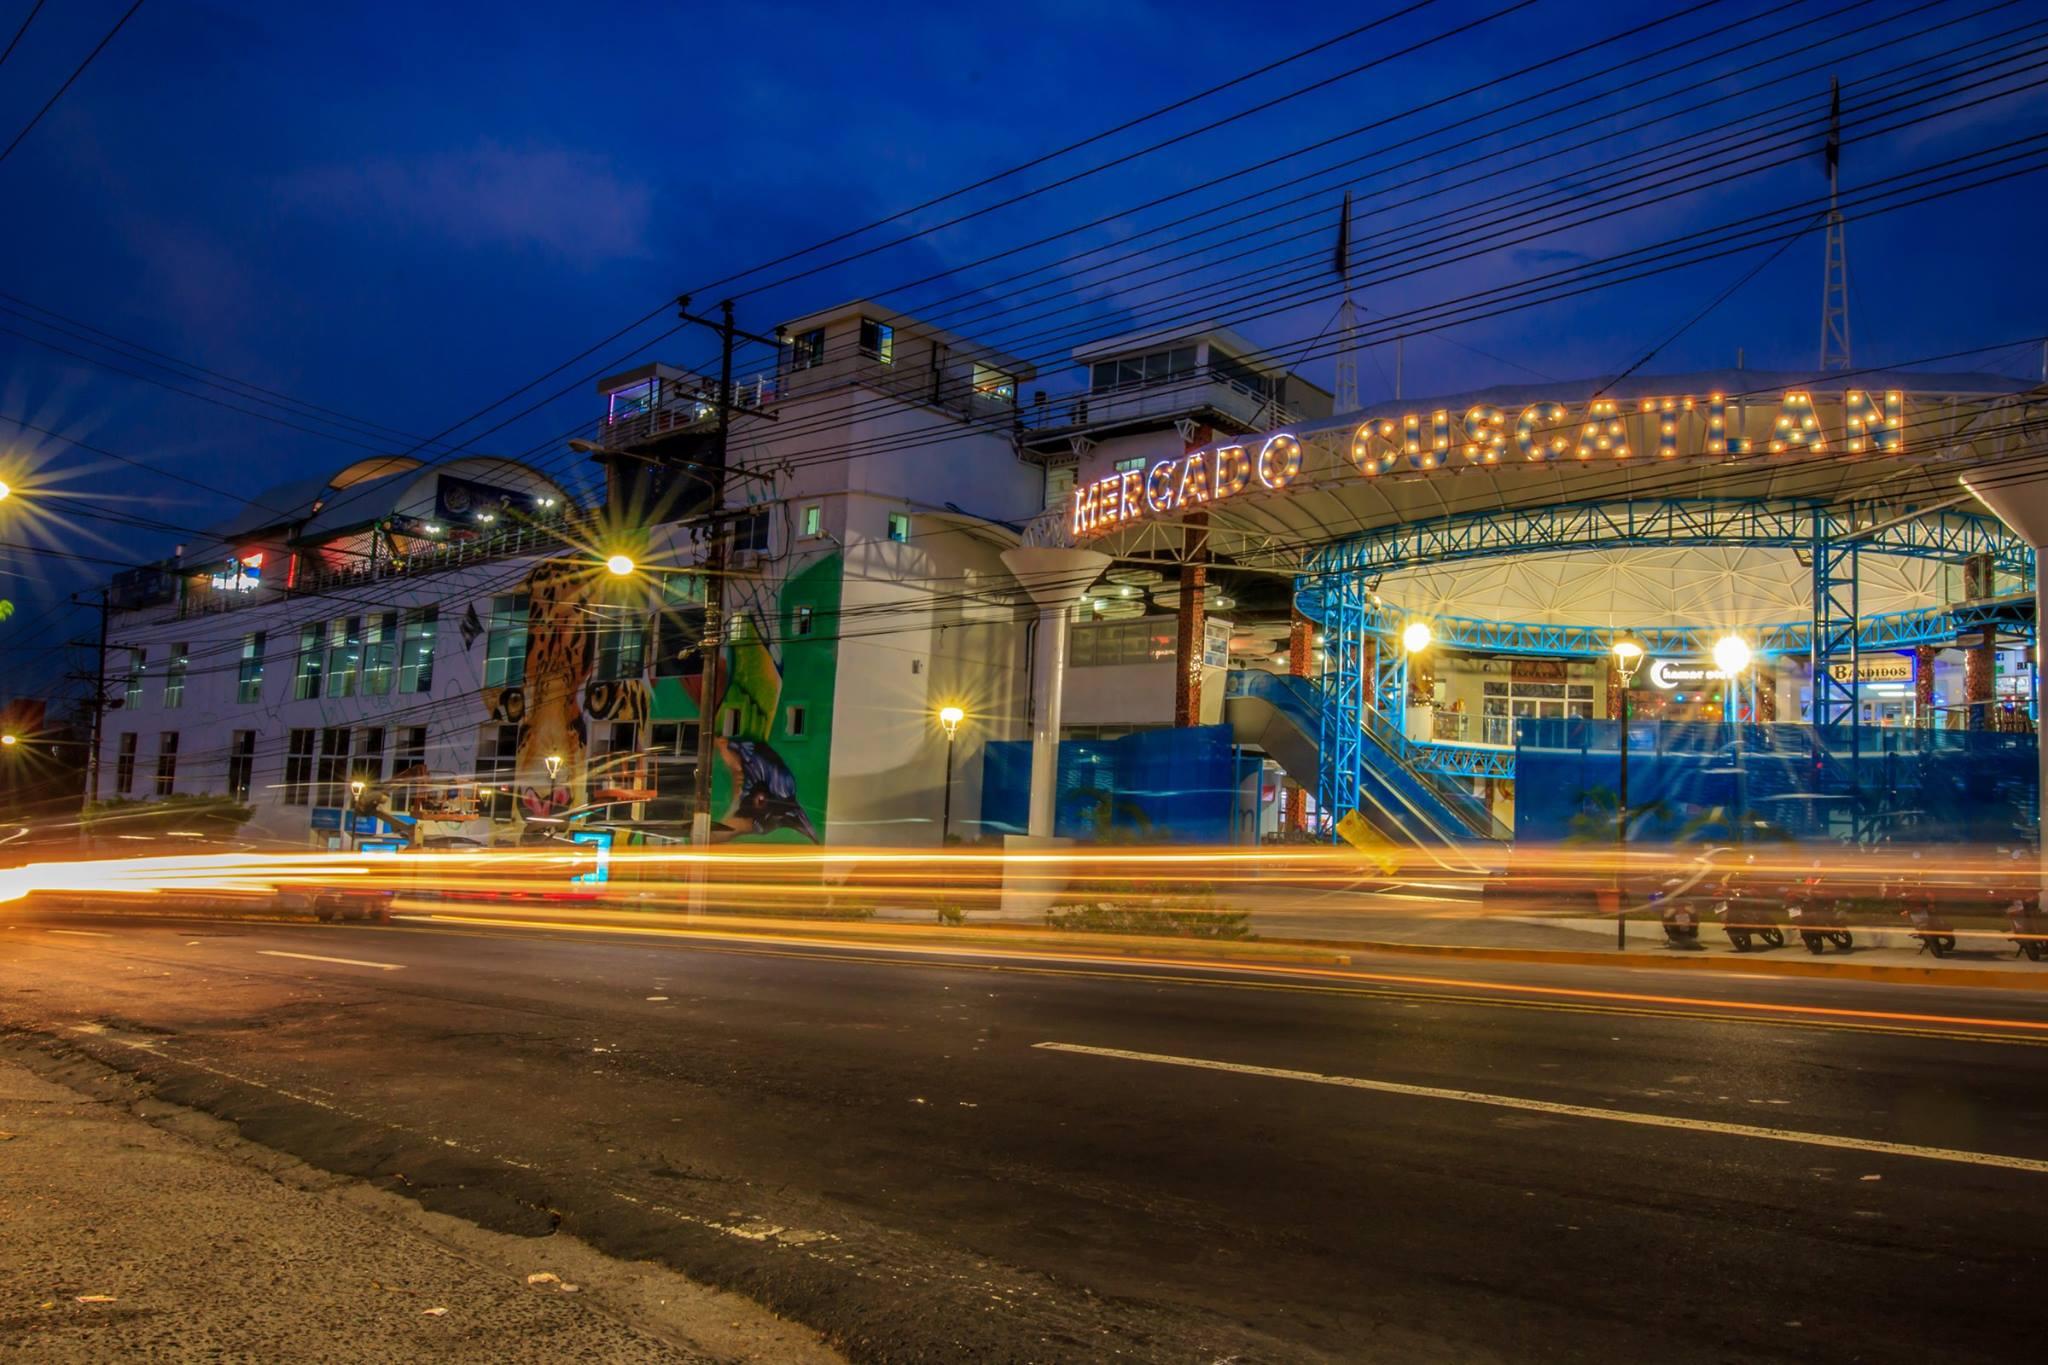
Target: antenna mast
point(1834, 292)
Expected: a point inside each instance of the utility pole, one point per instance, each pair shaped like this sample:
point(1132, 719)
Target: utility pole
point(713, 646)
point(99, 707)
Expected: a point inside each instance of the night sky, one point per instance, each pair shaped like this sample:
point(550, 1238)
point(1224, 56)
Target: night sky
point(402, 212)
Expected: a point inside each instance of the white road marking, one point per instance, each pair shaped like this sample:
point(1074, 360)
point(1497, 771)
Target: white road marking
point(1431, 1092)
point(79, 933)
point(344, 961)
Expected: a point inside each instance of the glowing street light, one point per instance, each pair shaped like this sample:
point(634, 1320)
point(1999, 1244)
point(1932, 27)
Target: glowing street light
point(620, 565)
point(10, 740)
point(554, 766)
point(1415, 637)
point(950, 718)
point(1731, 654)
point(4, 490)
point(1628, 657)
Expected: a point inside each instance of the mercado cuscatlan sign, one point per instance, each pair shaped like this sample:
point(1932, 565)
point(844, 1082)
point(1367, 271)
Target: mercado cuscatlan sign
point(1659, 428)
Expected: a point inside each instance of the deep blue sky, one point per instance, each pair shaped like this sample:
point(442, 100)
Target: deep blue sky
point(402, 211)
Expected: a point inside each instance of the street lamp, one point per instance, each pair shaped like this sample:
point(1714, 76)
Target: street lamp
point(10, 740)
point(620, 565)
point(554, 766)
point(949, 717)
point(1415, 637)
point(1628, 657)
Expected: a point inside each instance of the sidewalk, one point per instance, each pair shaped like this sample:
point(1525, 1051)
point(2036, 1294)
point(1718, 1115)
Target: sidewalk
point(168, 1238)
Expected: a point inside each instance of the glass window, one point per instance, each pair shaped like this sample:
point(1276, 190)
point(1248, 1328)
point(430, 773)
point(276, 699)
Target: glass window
point(174, 676)
point(793, 722)
point(167, 763)
point(802, 621)
point(991, 382)
point(808, 349)
point(306, 685)
point(411, 753)
point(124, 766)
point(249, 674)
point(241, 765)
point(344, 655)
point(878, 339)
point(380, 654)
point(369, 764)
point(1102, 376)
point(298, 768)
point(679, 629)
point(132, 695)
point(330, 774)
point(814, 519)
point(505, 647)
point(416, 650)
point(621, 649)
point(497, 770)
point(750, 531)
point(899, 527)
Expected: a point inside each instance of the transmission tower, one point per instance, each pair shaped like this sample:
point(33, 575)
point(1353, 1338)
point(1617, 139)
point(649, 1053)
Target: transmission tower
point(1347, 320)
point(1834, 292)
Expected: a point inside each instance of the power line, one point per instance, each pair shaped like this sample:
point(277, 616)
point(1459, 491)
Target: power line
point(49, 104)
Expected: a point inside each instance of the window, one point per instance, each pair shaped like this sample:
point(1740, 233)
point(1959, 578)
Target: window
point(344, 655)
point(679, 629)
point(174, 676)
point(416, 650)
point(814, 520)
point(411, 752)
point(802, 621)
point(621, 649)
point(369, 764)
point(990, 382)
point(124, 766)
point(793, 722)
point(1148, 639)
point(808, 349)
point(330, 774)
point(1130, 466)
point(1239, 375)
point(497, 770)
point(750, 532)
point(1159, 367)
point(249, 674)
point(505, 647)
point(241, 765)
point(380, 654)
point(878, 339)
point(899, 527)
point(132, 696)
point(298, 767)
point(167, 763)
point(306, 684)
point(674, 750)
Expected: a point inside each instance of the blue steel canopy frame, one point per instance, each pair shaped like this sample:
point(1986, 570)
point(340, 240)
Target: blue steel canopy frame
point(1333, 589)
point(1947, 534)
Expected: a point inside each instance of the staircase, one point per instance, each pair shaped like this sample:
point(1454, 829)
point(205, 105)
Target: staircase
point(1283, 717)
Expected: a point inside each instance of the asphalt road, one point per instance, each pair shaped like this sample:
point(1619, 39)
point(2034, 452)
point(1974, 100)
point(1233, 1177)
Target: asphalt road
point(1453, 1163)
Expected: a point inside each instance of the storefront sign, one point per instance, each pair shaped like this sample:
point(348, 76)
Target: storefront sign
point(1215, 643)
point(327, 817)
point(1669, 674)
point(1713, 427)
point(1537, 671)
point(1876, 668)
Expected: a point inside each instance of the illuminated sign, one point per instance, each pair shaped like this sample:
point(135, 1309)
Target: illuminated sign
point(1876, 668)
point(239, 575)
point(1645, 430)
point(1666, 674)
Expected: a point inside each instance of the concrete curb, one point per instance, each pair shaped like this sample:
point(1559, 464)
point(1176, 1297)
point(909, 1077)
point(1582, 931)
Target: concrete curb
point(1825, 969)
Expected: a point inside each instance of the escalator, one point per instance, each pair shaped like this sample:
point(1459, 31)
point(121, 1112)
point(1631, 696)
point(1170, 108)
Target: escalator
point(1283, 717)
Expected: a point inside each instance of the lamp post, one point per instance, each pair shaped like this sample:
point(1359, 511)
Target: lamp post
point(1731, 657)
point(1628, 657)
point(949, 717)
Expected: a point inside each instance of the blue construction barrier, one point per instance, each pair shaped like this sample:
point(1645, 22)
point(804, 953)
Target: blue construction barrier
point(1712, 782)
point(1150, 786)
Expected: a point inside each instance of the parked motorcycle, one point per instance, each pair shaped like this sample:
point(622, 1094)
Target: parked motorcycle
point(1747, 918)
point(1934, 933)
point(2028, 926)
point(1681, 921)
point(1818, 921)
